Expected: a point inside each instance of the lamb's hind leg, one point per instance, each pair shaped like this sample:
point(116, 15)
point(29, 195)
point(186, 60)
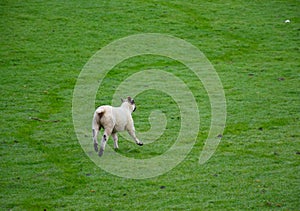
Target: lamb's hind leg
point(95, 135)
point(96, 128)
point(105, 137)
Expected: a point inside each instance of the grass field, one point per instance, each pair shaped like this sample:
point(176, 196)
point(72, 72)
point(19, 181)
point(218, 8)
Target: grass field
point(45, 45)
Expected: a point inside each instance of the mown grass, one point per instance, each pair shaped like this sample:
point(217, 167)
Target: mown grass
point(45, 44)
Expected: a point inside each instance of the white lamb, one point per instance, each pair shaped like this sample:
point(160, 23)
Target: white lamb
point(113, 120)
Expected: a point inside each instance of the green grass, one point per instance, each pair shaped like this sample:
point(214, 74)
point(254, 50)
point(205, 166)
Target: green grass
point(44, 46)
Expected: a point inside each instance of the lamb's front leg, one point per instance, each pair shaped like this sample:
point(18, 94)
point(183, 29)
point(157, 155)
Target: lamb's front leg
point(132, 134)
point(115, 137)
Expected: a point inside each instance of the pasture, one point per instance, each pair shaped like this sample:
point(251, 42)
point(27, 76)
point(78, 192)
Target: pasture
point(45, 45)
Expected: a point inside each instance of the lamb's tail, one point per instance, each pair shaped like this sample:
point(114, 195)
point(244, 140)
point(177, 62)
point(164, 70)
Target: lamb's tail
point(96, 125)
point(97, 116)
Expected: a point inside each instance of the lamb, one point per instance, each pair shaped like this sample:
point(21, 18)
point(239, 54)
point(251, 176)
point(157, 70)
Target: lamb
point(113, 120)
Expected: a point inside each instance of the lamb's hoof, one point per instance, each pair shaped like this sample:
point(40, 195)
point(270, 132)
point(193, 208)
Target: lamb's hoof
point(100, 152)
point(96, 147)
point(140, 144)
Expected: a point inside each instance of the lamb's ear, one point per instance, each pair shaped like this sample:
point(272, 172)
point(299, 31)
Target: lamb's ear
point(122, 100)
point(130, 100)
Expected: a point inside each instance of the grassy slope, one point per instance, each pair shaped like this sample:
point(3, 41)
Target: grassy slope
point(44, 45)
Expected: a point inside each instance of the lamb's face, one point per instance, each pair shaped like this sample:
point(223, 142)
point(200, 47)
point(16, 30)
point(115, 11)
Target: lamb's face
point(131, 103)
point(134, 107)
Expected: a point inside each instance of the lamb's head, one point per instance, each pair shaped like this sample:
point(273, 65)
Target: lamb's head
point(129, 102)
